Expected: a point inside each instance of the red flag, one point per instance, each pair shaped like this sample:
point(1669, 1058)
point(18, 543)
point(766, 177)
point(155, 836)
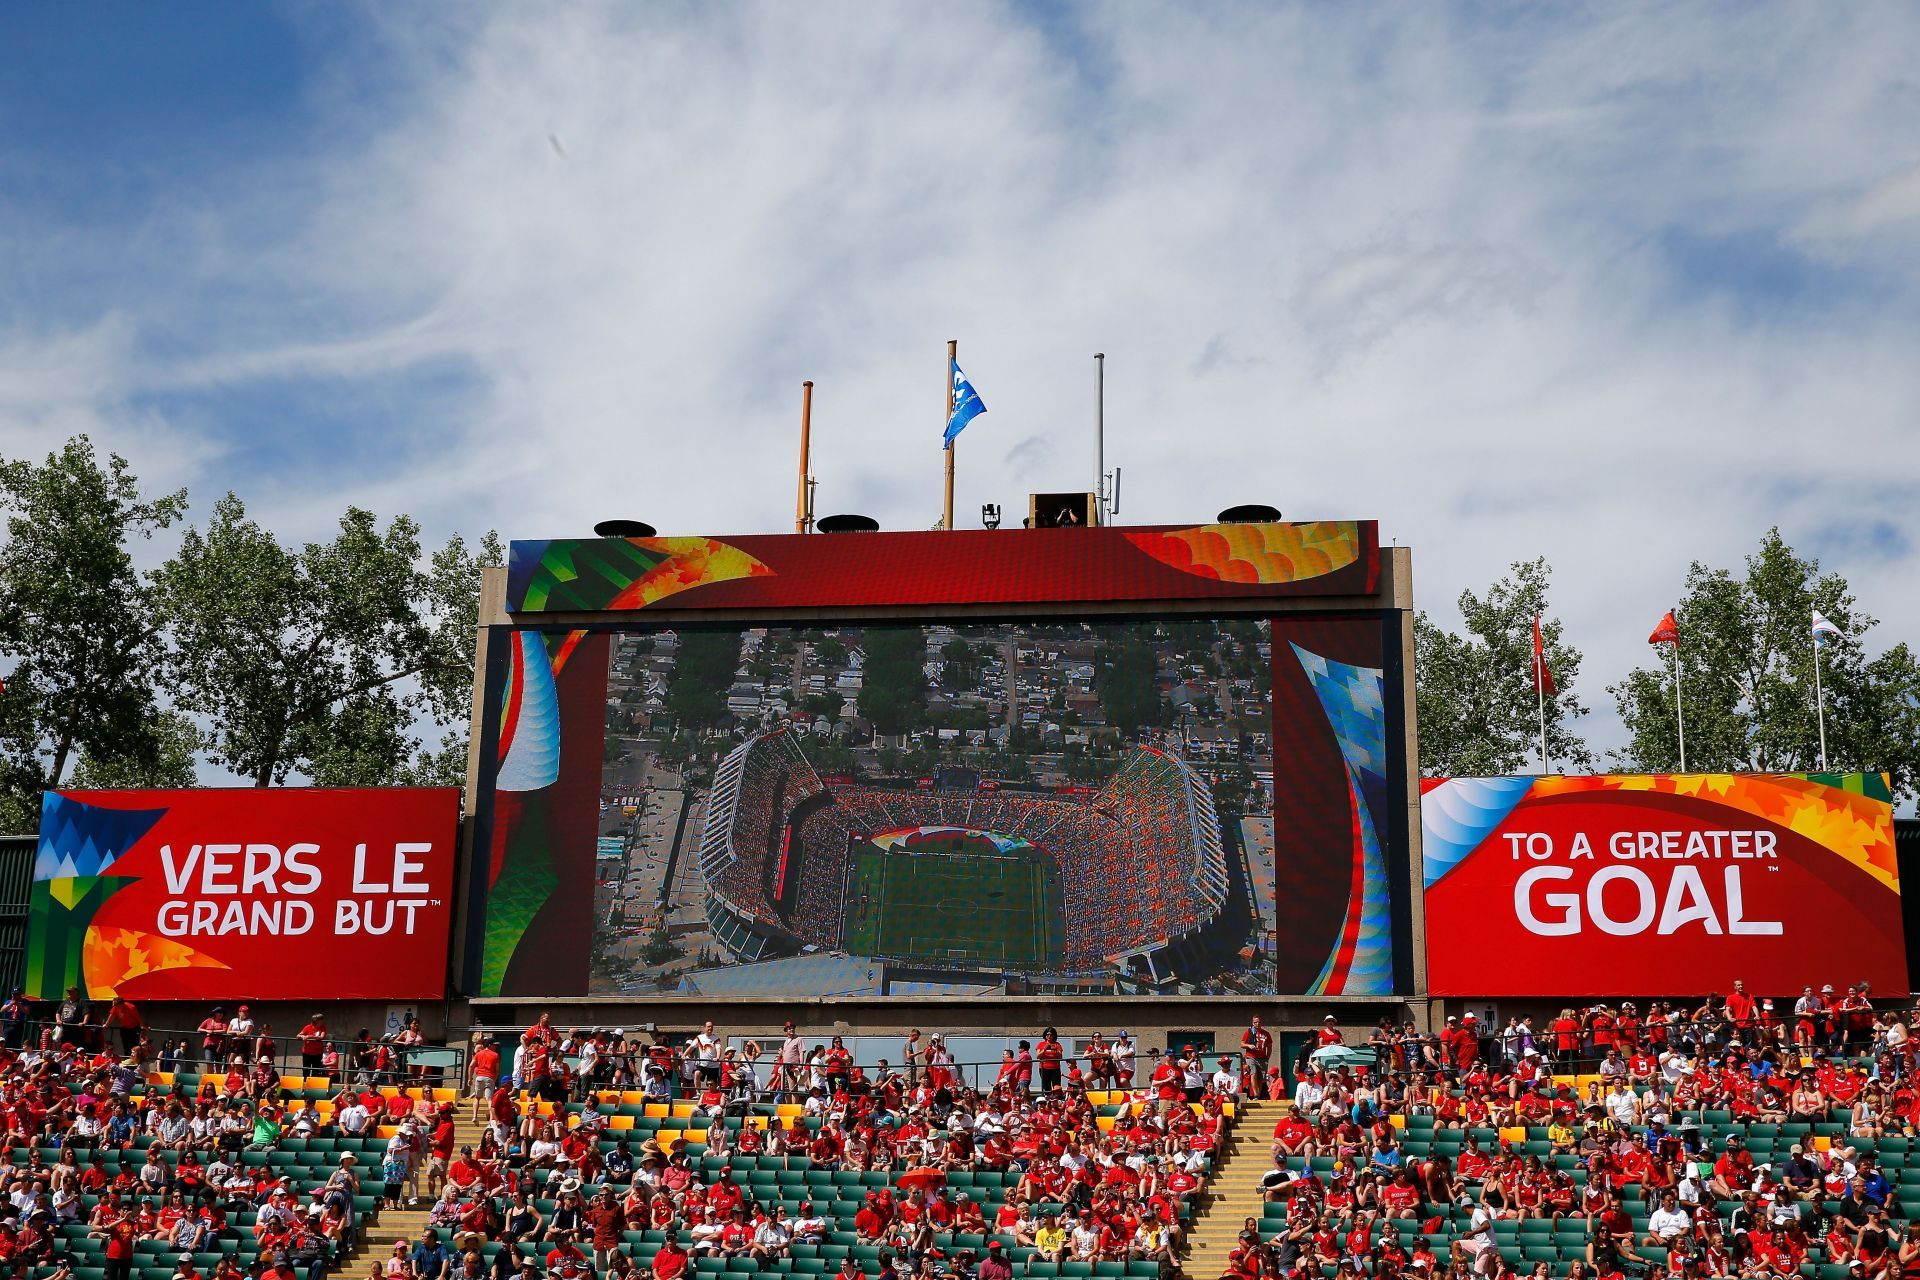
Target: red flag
point(1666, 632)
point(1542, 677)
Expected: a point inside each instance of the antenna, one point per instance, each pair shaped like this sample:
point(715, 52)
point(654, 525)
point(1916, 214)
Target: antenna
point(1106, 493)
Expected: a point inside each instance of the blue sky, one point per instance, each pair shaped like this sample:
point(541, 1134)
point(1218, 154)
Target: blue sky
point(1621, 286)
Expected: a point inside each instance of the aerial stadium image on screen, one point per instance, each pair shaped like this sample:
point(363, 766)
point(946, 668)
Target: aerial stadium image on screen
point(1000, 807)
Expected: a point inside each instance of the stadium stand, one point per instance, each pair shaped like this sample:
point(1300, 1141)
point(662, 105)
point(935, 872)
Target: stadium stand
point(698, 1158)
point(118, 1172)
point(1712, 1141)
point(1142, 862)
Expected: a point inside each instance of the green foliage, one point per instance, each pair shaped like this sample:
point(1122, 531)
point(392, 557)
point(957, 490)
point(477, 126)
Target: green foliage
point(1478, 711)
point(660, 946)
point(176, 743)
point(829, 652)
point(1126, 680)
point(318, 659)
point(893, 695)
point(962, 665)
point(703, 668)
point(827, 705)
point(1747, 679)
point(76, 619)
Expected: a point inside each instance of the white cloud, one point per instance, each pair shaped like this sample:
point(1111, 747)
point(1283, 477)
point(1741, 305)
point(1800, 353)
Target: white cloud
point(1890, 202)
point(1417, 266)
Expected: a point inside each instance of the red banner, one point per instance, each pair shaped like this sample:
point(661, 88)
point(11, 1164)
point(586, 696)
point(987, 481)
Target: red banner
point(268, 894)
point(1660, 885)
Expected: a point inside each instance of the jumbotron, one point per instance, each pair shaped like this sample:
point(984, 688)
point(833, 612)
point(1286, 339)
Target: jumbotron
point(1128, 878)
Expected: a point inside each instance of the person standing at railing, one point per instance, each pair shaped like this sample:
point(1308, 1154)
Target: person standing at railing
point(1256, 1046)
point(484, 1069)
point(13, 1020)
point(123, 1016)
point(313, 1043)
point(1048, 1054)
point(71, 1017)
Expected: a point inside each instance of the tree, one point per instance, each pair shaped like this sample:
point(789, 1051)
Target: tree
point(1126, 680)
point(962, 669)
point(77, 620)
point(1746, 671)
point(1478, 711)
point(174, 742)
point(703, 667)
point(893, 690)
point(319, 659)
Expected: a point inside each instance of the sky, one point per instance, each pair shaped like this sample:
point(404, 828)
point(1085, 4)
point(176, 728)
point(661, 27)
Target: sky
point(1617, 285)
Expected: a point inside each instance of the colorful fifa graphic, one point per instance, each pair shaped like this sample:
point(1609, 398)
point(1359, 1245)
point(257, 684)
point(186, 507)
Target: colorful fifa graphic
point(971, 566)
point(267, 893)
point(1337, 764)
point(1588, 885)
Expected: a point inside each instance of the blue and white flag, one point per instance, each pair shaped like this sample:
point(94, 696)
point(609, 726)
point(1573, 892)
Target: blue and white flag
point(1822, 628)
point(967, 406)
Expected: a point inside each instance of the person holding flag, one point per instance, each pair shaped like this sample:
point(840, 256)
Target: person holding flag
point(1823, 631)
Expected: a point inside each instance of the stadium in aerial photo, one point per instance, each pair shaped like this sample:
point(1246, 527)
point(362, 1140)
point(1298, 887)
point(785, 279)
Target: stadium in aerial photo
point(1001, 806)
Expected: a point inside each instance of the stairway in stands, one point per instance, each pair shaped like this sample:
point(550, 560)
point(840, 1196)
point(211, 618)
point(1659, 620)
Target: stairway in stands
point(1234, 1195)
point(388, 1225)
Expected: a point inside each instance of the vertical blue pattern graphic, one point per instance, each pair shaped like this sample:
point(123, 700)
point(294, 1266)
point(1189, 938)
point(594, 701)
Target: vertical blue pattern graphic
point(1354, 699)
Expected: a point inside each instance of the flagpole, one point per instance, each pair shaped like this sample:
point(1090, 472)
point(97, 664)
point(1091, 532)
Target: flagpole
point(946, 510)
point(1679, 716)
point(800, 513)
point(1820, 702)
point(1540, 691)
point(1099, 438)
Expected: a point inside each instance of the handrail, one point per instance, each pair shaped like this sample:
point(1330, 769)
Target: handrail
point(430, 1061)
point(977, 1075)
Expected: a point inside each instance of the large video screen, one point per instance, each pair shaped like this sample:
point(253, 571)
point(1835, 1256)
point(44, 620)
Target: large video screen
point(1055, 807)
point(1188, 806)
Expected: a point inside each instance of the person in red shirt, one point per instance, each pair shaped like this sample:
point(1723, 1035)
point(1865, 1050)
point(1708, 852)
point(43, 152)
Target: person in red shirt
point(1047, 1055)
point(1401, 1198)
point(1293, 1136)
point(1741, 1010)
point(440, 1151)
point(1256, 1046)
point(1330, 1031)
point(121, 1235)
point(313, 1043)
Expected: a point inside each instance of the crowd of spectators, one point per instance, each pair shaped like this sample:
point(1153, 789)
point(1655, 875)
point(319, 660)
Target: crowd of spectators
point(1736, 1136)
point(140, 1151)
point(792, 1152)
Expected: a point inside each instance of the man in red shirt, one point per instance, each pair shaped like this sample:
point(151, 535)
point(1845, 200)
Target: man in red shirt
point(1733, 1171)
point(1401, 1197)
point(1293, 1136)
point(1741, 1010)
point(485, 1067)
point(606, 1221)
point(313, 1043)
point(442, 1150)
point(1256, 1046)
point(670, 1263)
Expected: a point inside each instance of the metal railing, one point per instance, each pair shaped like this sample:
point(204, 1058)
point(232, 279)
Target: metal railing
point(440, 1065)
point(980, 1075)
